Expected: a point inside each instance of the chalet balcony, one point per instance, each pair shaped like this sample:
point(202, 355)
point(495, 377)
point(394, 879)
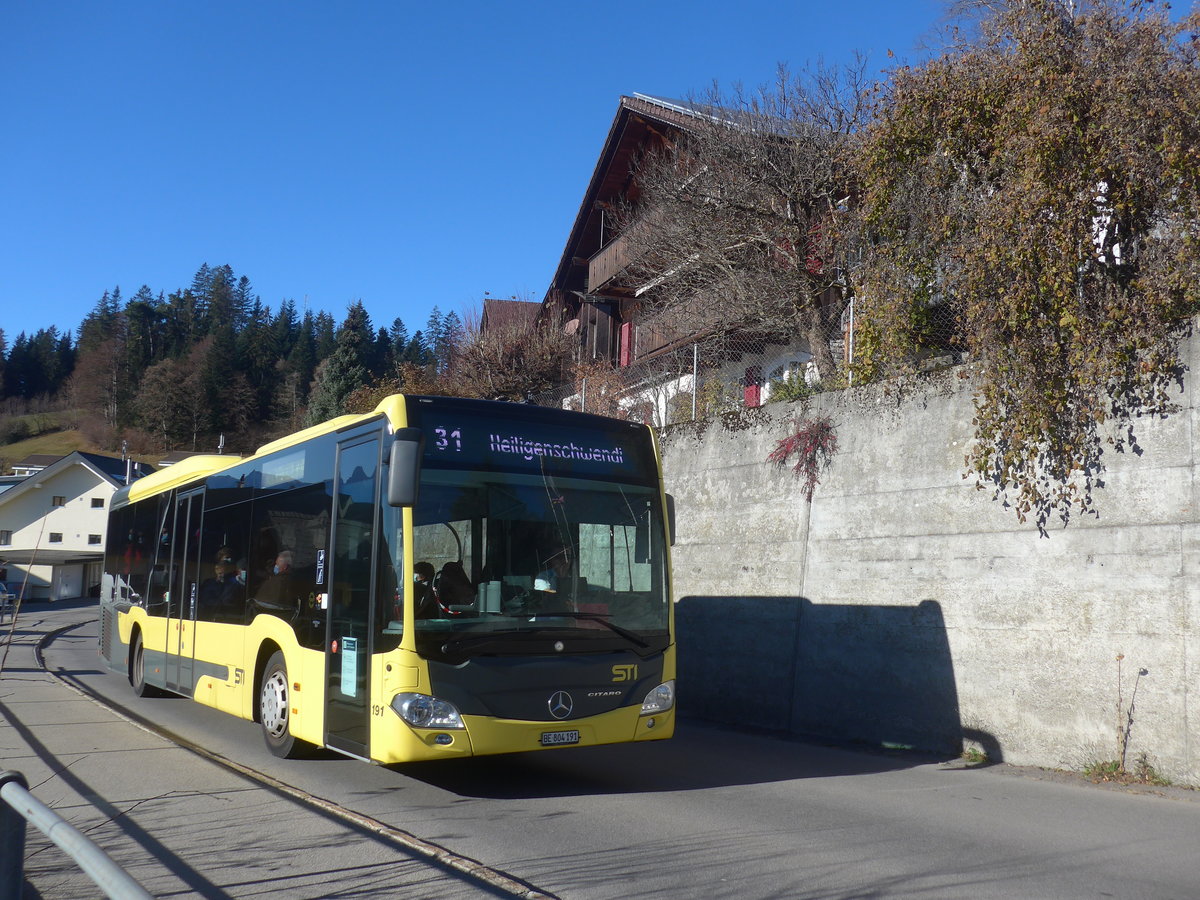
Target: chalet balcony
point(656, 335)
point(608, 263)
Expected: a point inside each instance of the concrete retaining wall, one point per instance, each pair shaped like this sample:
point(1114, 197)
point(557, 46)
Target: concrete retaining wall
point(904, 606)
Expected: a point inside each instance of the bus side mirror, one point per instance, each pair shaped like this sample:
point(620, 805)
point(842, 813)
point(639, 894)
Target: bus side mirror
point(404, 467)
point(671, 519)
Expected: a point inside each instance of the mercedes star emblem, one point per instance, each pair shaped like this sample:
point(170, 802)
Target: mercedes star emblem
point(560, 704)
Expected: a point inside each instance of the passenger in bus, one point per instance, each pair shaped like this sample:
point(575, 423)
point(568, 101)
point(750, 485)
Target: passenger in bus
point(222, 594)
point(278, 593)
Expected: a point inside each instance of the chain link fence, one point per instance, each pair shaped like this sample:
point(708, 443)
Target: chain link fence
point(703, 377)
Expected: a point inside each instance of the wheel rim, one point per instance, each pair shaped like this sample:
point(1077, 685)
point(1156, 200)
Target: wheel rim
point(274, 704)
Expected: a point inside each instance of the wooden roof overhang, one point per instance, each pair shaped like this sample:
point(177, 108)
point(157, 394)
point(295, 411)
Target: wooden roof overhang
point(639, 121)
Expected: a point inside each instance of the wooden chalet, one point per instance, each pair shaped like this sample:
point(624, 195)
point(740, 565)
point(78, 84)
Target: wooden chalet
point(588, 291)
point(508, 315)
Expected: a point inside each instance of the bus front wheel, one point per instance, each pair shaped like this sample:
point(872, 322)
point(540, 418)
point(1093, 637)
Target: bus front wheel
point(275, 711)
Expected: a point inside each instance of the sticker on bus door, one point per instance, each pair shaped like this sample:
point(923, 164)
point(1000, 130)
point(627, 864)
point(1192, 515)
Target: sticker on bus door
point(320, 567)
point(349, 666)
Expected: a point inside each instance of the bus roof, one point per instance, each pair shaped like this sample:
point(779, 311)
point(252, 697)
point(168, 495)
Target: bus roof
point(194, 468)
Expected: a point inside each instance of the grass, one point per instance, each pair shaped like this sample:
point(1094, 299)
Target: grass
point(1111, 770)
point(55, 443)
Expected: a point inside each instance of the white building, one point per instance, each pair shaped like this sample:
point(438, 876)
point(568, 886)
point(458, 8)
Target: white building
point(53, 525)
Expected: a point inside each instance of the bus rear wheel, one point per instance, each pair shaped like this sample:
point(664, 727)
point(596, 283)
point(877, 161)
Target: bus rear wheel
point(275, 710)
point(137, 669)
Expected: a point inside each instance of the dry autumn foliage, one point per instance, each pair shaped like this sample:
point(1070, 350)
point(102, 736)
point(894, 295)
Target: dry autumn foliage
point(1042, 179)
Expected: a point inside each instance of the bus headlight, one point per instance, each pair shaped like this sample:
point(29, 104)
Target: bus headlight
point(660, 699)
point(423, 711)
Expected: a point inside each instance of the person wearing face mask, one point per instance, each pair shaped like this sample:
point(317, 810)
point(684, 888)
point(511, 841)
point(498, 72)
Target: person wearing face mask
point(278, 594)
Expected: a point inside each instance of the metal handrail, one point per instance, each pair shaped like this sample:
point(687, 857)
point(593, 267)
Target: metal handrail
point(20, 806)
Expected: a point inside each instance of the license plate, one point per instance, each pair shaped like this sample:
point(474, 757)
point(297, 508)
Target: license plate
point(555, 738)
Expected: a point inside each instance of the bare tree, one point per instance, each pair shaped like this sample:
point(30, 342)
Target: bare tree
point(99, 388)
point(507, 361)
point(739, 221)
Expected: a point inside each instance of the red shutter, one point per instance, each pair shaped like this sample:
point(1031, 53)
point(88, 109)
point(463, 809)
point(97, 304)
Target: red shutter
point(752, 386)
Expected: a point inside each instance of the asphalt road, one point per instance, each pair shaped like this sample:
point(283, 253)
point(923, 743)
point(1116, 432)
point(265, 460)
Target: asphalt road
point(718, 813)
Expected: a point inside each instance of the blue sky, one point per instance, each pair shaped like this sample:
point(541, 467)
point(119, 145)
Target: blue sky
point(405, 155)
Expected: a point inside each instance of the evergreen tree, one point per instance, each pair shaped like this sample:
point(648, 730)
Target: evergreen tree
point(145, 323)
point(399, 335)
point(303, 358)
point(435, 337)
point(220, 305)
point(344, 370)
point(285, 328)
point(258, 350)
point(452, 335)
point(202, 281)
point(296, 374)
point(357, 331)
point(230, 400)
point(97, 325)
point(323, 334)
point(19, 365)
point(417, 351)
point(197, 304)
point(383, 362)
point(244, 302)
point(176, 324)
point(47, 370)
point(186, 321)
point(66, 355)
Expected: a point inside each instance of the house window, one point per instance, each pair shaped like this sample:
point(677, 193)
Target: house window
point(93, 538)
point(5, 538)
point(97, 503)
point(56, 537)
point(58, 501)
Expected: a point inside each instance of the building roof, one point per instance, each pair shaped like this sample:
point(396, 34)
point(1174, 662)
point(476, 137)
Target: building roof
point(108, 468)
point(637, 117)
point(508, 314)
point(37, 461)
point(175, 456)
point(41, 557)
point(114, 467)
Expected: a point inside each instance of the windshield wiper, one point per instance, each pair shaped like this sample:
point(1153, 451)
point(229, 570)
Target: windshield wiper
point(595, 617)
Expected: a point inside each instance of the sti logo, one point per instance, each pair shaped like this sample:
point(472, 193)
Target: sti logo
point(624, 673)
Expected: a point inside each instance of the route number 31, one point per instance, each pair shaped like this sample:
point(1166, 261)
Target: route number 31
point(446, 438)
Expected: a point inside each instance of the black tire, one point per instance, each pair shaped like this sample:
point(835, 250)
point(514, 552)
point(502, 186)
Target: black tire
point(274, 710)
point(137, 669)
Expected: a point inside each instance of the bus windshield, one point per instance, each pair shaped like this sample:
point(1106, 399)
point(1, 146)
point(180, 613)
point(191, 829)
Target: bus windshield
point(514, 564)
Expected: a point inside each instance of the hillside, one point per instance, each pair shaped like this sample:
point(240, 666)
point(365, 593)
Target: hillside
point(50, 434)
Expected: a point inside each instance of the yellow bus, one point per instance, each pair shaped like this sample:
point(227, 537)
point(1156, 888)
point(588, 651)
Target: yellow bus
point(437, 579)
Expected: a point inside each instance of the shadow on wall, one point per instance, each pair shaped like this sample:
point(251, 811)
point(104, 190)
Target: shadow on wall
point(879, 675)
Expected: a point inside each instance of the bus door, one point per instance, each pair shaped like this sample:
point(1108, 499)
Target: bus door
point(351, 588)
point(184, 581)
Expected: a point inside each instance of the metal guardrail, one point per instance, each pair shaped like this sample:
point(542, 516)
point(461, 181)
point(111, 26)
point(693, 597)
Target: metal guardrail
point(20, 806)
